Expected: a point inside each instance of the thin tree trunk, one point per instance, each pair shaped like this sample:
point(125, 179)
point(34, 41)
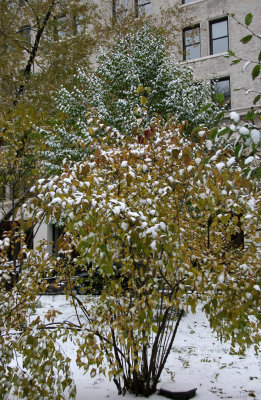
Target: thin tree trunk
point(28, 67)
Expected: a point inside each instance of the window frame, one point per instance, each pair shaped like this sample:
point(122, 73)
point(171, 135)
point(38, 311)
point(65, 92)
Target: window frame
point(191, 28)
point(211, 23)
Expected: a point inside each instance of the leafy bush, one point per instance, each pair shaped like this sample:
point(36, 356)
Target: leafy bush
point(176, 215)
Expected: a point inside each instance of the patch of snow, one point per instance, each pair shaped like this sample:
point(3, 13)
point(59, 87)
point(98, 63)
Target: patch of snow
point(196, 357)
point(243, 130)
point(209, 144)
point(231, 161)
point(154, 245)
point(220, 166)
point(255, 136)
point(245, 66)
point(235, 116)
point(249, 159)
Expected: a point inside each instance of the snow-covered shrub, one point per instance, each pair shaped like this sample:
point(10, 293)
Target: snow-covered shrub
point(167, 220)
point(136, 70)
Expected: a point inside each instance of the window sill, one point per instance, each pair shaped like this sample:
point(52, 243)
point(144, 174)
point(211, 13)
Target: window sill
point(205, 58)
point(242, 111)
point(192, 3)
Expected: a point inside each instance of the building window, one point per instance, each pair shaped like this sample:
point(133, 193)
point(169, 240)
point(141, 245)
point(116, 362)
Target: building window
point(143, 8)
point(222, 86)
point(25, 32)
point(219, 36)
point(187, 1)
point(119, 7)
point(60, 26)
point(191, 43)
point(78, 25)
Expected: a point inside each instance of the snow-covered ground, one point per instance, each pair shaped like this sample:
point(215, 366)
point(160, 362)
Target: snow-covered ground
point(197, 360)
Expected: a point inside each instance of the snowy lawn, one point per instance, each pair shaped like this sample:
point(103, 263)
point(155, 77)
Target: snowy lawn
point(197, 360)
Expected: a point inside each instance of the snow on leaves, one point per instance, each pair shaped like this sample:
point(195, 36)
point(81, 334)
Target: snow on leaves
point(173, 208)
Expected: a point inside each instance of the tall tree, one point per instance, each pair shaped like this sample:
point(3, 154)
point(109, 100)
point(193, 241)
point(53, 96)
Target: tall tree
point(41, 44)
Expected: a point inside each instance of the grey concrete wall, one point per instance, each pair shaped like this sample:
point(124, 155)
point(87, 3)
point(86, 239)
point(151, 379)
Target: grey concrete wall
point(217, 66)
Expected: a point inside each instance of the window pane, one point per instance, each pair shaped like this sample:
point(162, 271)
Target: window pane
point(191, 43)
point(192, 36)
point(220, 45)
point(145, 9)
point(120, 4)
point(26, 33)
point(223, 86)
point(219, 29)
point(193, 52)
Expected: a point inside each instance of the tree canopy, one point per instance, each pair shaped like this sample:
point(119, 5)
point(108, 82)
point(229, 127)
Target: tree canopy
point(41, 43)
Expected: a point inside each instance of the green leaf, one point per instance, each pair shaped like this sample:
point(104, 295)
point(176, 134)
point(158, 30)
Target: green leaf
point(246, 39)
point(30, 340)
point(257, 98)
point(259, 56)
point(150, 314)
point(213, 133)
point(257, 173)
point(250, 115)
point(248, 19)
point(237, 149)
point(235, 62)
point(205, 108)
point(142, 316)
point(140, 89)
point(256, 71)
point(224, 132)
point(155, 329)
point(231, 53)
point(143, 100)
point(246, 171)
point(220, 98)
